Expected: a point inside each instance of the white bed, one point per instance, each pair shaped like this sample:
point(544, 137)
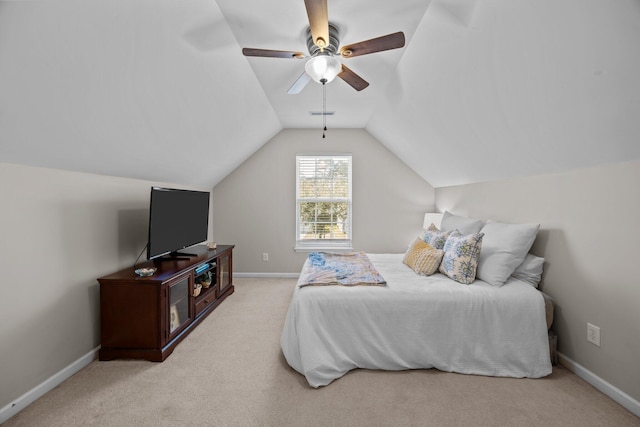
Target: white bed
point(416, 322)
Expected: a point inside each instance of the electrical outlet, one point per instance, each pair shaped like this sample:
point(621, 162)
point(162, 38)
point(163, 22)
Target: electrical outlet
point(265, 256)
point(593, 334)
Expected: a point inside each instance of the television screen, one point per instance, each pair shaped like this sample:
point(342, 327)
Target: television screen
point(177, 219)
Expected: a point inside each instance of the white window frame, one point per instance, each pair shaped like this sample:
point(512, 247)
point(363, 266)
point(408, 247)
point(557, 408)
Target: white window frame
point(324, 244)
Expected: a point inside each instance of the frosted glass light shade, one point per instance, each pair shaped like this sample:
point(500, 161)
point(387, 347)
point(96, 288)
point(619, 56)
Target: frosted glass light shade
point(323, 66)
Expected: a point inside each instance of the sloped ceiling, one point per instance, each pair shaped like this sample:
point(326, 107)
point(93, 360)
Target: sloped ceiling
point(496, 89)
point(159, 89)
point(123, 88)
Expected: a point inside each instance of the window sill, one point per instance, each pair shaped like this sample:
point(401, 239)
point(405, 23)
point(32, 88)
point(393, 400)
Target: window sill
point(309, 248)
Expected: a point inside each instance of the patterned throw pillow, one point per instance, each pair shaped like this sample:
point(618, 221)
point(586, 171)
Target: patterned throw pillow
point(461, 255)
point(423, 258)
point(435, 237)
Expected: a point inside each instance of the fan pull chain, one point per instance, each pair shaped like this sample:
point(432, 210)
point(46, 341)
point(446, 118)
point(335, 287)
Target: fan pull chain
point(324, 107)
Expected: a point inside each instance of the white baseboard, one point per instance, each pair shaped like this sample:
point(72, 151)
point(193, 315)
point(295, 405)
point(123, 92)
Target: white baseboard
point(41, 389)
point(610, 390)
point(267, 275)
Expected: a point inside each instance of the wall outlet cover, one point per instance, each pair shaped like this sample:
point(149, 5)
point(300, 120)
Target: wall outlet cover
point(593, 334)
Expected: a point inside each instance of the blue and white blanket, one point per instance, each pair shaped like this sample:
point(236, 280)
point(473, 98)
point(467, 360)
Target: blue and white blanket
point(352, 269)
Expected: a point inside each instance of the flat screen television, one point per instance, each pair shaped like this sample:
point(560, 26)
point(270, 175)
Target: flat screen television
point(177, 219)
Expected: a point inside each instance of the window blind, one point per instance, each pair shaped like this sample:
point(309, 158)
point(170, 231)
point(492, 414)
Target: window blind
point(323, 201)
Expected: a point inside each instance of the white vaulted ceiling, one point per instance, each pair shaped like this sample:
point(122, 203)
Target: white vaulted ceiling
point(159, 89)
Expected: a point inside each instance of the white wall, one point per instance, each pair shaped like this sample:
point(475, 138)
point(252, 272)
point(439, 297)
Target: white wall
point(589, 237)
point(254, 207)
point(60, 231)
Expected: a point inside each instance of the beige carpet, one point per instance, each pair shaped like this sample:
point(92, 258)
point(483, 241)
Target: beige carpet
point(230, 372)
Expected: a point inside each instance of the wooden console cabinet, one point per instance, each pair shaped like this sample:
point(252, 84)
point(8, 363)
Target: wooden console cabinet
point(146, 317)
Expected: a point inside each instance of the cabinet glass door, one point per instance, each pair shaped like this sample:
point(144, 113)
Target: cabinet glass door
point(179, 305)
point(224, 272)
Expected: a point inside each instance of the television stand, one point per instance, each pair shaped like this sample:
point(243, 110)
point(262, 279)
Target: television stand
point(146, 317)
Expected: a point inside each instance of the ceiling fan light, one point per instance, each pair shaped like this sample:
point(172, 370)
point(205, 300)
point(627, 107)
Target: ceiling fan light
point(323, 67)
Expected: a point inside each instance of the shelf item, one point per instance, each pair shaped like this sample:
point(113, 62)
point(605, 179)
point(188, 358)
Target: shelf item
point(197, 288)
point(174, 318)
point(145, 271)
point(202, 268)
point(205, 279)
point(146, 317)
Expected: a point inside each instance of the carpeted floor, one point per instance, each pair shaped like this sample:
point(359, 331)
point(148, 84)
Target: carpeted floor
point(230, 372)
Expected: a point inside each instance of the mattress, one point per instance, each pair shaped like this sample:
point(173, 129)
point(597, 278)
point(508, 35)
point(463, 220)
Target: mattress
point(416, 322)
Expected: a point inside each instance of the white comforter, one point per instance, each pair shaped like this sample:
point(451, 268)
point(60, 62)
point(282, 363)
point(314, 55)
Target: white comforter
point(416, 322)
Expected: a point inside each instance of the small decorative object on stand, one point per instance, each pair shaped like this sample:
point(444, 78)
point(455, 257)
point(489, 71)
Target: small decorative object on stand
point(144, 272)
point(206, 280)
point(196, 289)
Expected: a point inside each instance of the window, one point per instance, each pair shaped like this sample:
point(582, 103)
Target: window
point(323, 202)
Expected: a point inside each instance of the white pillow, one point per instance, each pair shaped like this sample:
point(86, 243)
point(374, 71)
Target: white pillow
point(504, 247)
point(463, 224)
point(530, 271)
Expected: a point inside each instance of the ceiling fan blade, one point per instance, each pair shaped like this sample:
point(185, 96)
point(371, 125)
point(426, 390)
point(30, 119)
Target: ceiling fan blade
point(267, 53)
point(356, 82)
point(388, 42)
point(299, 84)
point(318, 14)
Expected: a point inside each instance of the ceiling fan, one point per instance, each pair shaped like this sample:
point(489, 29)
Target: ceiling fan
point(323, 41)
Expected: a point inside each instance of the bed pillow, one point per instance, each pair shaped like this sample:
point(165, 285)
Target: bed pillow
point(423, 258)
point(504, 247)
point(461, 254)
point(435, 237)
point(530, 271)
point(464, 225)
